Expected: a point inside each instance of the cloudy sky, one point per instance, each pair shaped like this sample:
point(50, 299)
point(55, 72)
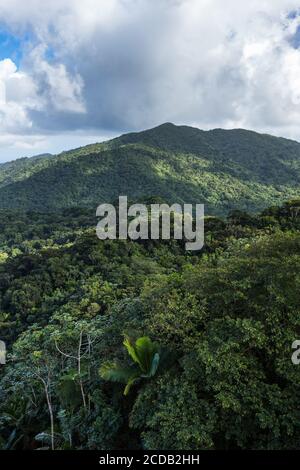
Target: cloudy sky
point(74, 71)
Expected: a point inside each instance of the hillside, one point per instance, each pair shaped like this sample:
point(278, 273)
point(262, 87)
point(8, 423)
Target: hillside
point(225, 169)
point(18, 170)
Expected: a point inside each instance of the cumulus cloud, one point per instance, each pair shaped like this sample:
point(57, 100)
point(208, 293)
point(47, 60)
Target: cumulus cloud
point(118, 65)
point(58, 89)
point(17, 95)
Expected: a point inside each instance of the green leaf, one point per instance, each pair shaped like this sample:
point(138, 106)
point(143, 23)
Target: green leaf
point(131, 349)
point(130, 383)
point(116, 373)
point(69, 391)
point(145, 351)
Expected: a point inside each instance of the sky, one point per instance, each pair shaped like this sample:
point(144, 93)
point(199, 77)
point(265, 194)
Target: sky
point(74, 72)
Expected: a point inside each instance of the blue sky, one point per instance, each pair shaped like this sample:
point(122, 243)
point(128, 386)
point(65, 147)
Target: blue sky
point(296, 38)
point(10, 46)
point(15, 47)
point(74, 72)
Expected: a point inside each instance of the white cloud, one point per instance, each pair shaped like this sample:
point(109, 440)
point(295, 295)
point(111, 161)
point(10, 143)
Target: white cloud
point(60, 90)
point(131, 64)
point(38, 89)
point(17, 94)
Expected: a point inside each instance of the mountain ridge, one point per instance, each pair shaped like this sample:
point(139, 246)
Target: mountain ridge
point(224, 169)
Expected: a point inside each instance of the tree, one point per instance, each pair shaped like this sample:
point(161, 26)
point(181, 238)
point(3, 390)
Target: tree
point(145, 356)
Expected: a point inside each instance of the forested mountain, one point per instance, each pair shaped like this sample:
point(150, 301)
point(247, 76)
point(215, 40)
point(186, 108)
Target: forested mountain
point(222, 169)
point(18, 170)
point(122, 344)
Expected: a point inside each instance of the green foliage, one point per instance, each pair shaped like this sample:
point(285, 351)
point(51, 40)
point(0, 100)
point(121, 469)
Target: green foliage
point(225, 170)
point(225, 319)
point(144, 353)
point(68, 389)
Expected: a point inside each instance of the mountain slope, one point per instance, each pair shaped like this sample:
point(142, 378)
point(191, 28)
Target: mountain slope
point(223, 169)
point(263, 156)
point(20, 169)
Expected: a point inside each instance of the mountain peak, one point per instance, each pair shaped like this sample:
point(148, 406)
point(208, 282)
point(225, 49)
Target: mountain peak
point(165, 124)
point(224, 169)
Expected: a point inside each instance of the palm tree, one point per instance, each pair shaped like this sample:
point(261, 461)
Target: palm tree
point(145, 356)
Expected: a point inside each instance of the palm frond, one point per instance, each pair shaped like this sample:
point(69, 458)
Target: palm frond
point(145, 351)
point(116, 373)
point(129, 384)
point(129, 345)
point(144, 354)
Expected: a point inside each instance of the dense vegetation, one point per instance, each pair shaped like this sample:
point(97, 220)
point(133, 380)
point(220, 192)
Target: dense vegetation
point(122, 344)
point(208, 334)
point(226, 170)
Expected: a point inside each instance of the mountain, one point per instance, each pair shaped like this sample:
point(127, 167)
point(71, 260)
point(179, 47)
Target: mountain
point(225, 169)
point(20, 169)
